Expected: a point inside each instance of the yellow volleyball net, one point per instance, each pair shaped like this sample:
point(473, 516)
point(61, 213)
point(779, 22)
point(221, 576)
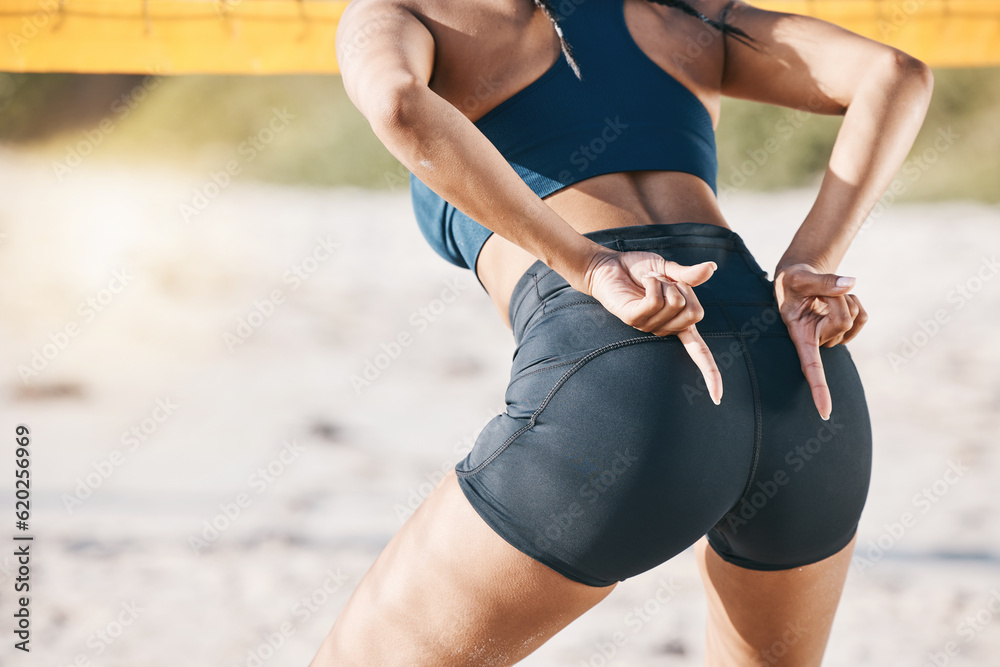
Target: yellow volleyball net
point(297, 36)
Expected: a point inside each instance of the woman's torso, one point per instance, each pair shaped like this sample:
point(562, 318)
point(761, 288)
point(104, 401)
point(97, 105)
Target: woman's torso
point(514, 43)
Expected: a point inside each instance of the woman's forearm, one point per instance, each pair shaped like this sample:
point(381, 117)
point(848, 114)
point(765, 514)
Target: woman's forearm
point(443, 148)
point(878, 131)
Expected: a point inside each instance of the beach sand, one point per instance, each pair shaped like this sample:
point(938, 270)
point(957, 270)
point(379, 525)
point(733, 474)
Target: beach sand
point(154, 414)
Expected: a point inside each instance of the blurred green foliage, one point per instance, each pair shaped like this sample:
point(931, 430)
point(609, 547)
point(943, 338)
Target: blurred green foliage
point(199, 123)
point(965, 111)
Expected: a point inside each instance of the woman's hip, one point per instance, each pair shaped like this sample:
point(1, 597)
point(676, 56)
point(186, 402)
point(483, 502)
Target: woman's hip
point(609, 432)
point(607, 464)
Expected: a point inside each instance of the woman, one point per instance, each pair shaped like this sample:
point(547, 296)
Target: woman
point(573, 170)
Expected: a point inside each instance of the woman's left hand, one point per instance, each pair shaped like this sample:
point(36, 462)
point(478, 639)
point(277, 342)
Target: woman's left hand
point(654, 295)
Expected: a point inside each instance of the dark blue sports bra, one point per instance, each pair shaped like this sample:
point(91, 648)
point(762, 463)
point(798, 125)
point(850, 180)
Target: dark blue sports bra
point(626, 114)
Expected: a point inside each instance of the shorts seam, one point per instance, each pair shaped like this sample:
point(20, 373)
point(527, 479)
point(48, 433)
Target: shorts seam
point(656, 242)
point(580, 363)
point(489, 459)
point(512, 307)
point(568, 304)
point(539, 276)
point(522, 376)
point(707, 334)
point(731, 334)
point(758, 426)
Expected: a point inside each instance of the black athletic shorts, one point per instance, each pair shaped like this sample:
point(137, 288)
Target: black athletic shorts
point(612, 458)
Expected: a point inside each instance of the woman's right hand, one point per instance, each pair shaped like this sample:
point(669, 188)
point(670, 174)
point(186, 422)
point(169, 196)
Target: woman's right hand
point(654, 295)
point(818, 312)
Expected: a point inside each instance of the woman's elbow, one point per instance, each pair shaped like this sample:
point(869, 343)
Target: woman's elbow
point(394, 105)
point(916, 74)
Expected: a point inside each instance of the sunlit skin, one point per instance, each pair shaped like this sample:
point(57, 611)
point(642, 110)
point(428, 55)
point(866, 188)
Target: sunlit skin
point(447, 590)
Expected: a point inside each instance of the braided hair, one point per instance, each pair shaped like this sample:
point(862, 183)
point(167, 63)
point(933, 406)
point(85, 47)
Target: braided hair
point(720, 25)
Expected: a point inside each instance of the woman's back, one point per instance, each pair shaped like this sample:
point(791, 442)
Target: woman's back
point(488, 55)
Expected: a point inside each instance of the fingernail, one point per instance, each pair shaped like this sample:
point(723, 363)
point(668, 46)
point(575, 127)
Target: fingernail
point(717, 401)
point(825, 418)
point(844, 281)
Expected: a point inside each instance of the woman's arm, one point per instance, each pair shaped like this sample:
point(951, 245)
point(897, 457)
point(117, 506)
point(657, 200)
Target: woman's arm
point(883, 95)
point(813, 65)
point(386, 57)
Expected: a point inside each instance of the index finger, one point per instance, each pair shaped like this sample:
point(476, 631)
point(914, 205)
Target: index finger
point(812, 368)
point(702, 356)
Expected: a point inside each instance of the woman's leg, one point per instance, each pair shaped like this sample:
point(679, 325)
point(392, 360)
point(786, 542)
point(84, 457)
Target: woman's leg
point(448, 591)
point(780, 617)
point(803, 505)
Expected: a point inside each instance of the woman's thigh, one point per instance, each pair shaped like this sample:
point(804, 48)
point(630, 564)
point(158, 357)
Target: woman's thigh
point(779, 617)
point(447, 591)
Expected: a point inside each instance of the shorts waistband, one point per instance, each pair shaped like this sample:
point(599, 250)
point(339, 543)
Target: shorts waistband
point(539, 279)
point(702, 232)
